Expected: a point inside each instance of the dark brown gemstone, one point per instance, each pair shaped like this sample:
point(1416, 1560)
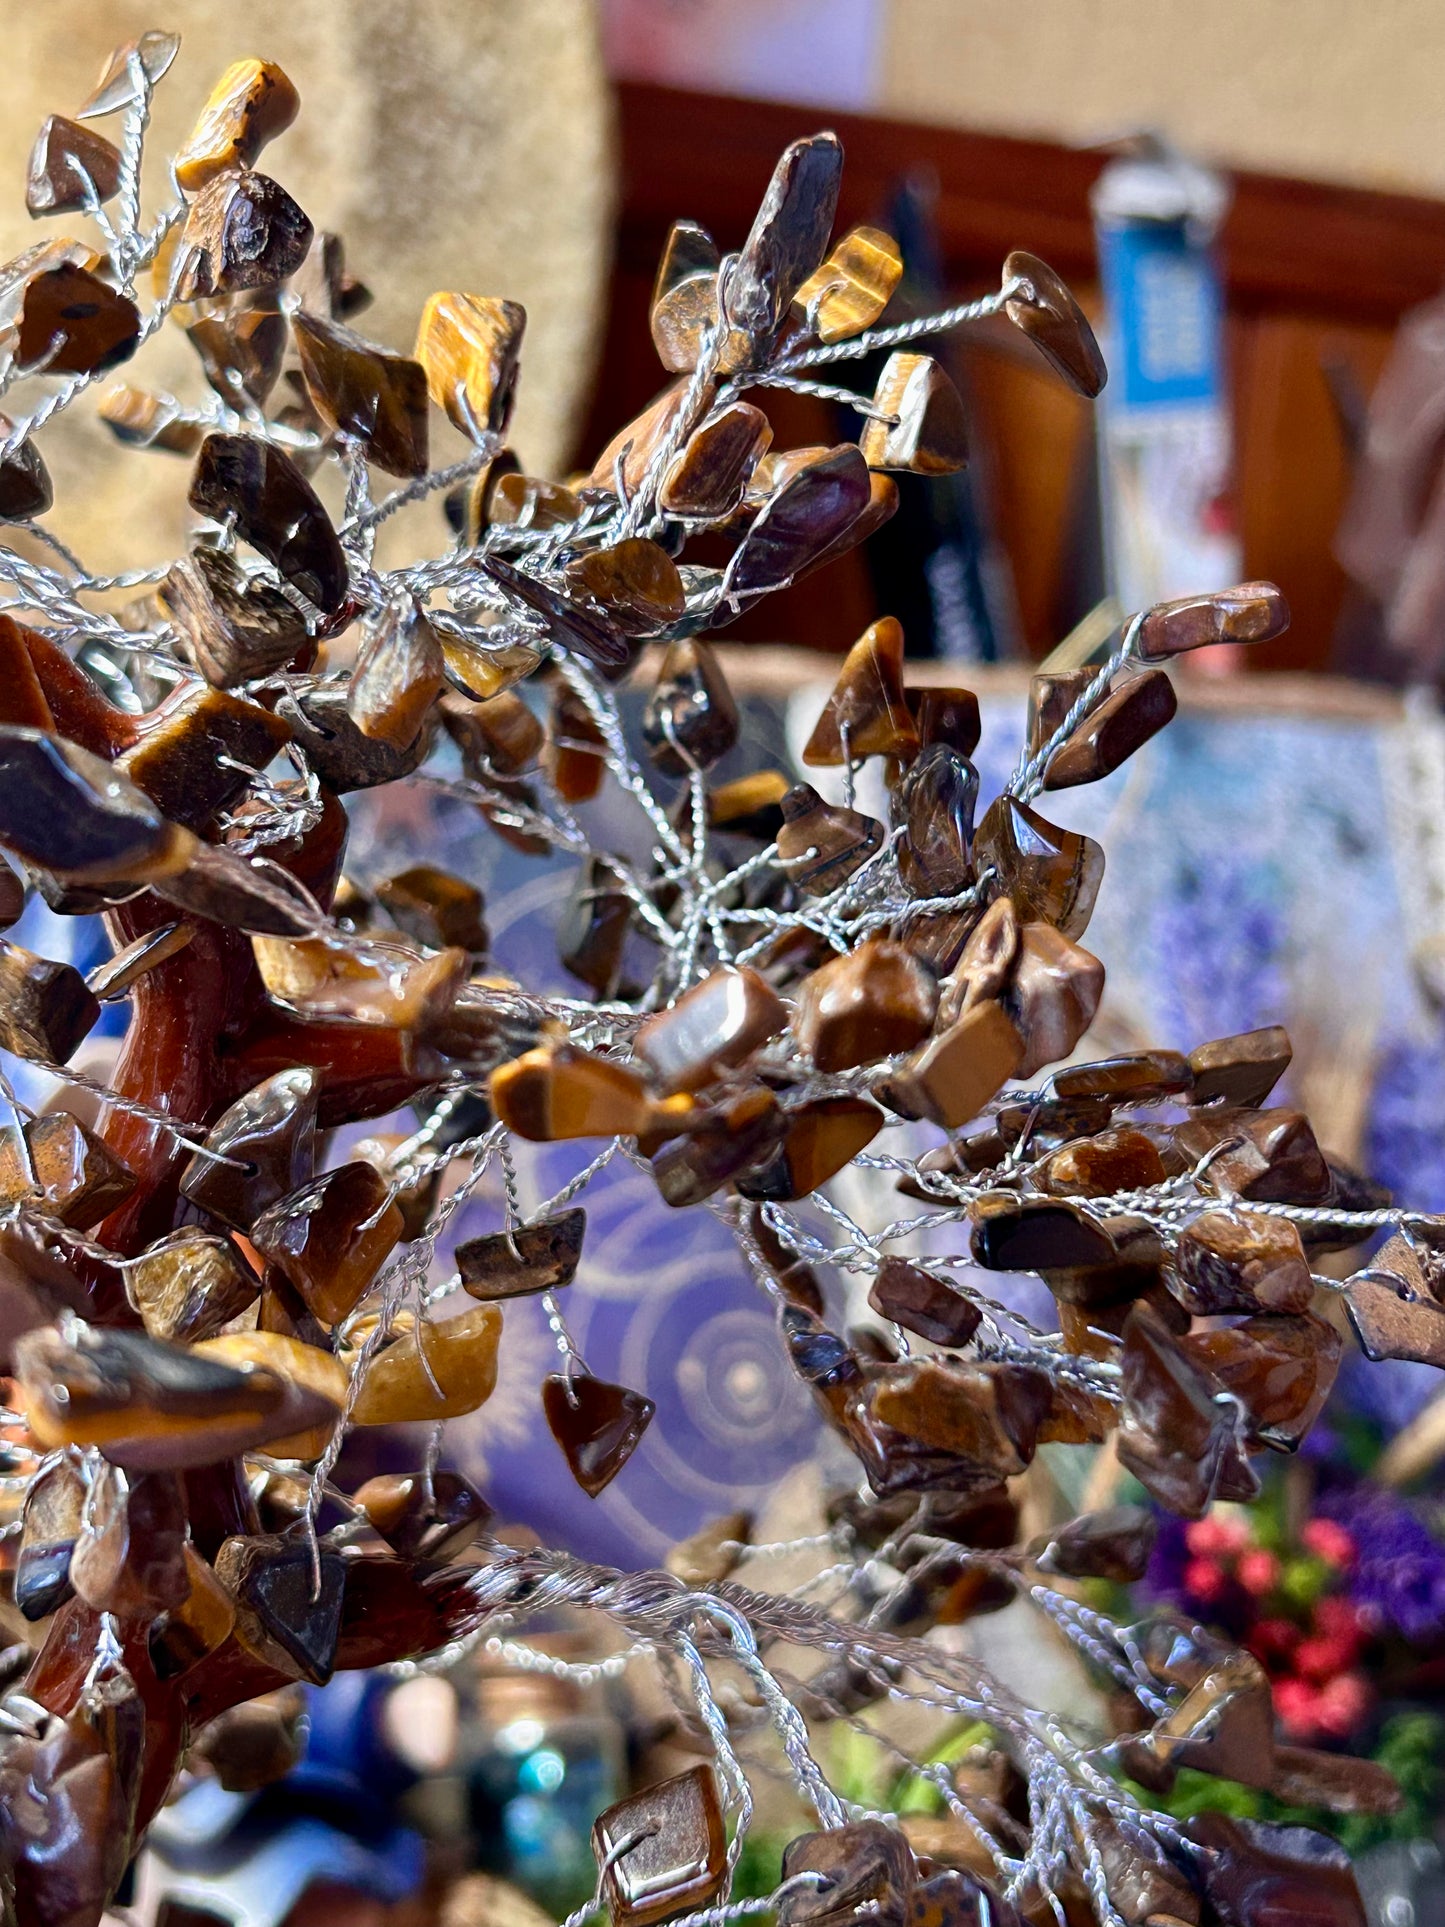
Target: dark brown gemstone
point(283, 1615)
point(1128, 716)
point(559, 1093)
point(1095, 1167)
point(1241, 1261)
point(129, 1559)
point(710, 474)
point(1281, 1370)
point(50, 1526)
point(1053, 995)
point(794, 1277)
point(598, 1426)
point(341, 755)
point(865, 1865)
point(25, 487)
point(635, 583)
point(1177, 1439)
point(71, 166)
point(1270, 1156)
point(716, 1025)
point(1240, 1070)
point(586, 630)
point(1054, 322)
point(73, 323)
point(361, 391)
point(275, 509)
point(1141, 1077)
point(243, 231)
point(1254, 612)
point(1012, 1233)
point(79, 1178)
point(190, 1285)
point(1113, 1544)
point(987, 960)
point(749, 806)
point(881, 506)
point(430, 1517)
point(120, 85)
point(1309, 1777)
point(935, 803)
point(528, 1258)
point(921, 1302)
point(735, 1137)
point(185, 759)
point(633, 447)
point(1253, 1871)
point(592, 935)
point(227, 888)
point(946, 715)
point(821, 844)
point(142, 420)
point(1393, 1310)
point(232, 626)
point(691, 719)
point(46, 1008)
point(498, 737)
point(822, 1139)
point(1051, 874)
point(252, 1745)
point(575, 755)
point(196, 1626)
point(270, 1133)
point(867, 713)
point(1052, 694)
point(331, 1237)
point(322, 285)
point(684, 298)
point(788, 238)
point(435, 907)
point(663, 1851)
point(918, 425)
point(869, 1003)
point(950, 1078)
point(241, 352)
point(803, 518)
point(399, 674)
point(1146, 1889)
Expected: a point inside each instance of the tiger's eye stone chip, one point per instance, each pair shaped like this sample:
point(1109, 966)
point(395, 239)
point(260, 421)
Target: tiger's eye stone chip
point(848, 293)
point(243, 231)
point(241, 352)
point(120, 85)
point(729, 1140)
point(399, 674)
point(821, 844)
point(1051, 874)
point(709, 475)
point(1052, 694)
point(953, 1075)
point(129, 1558)
point(73, 323)
point(921, 1302)
point(1174, 1435)
point(232, 626)
point(1052, 995)
point(438, 1369)
point(283, 1615)
point(598, 1425)
point(331, 1237)
point(25, 486)
point(691, 719)
point(1012, 1233)
point(664, 1850)
point(1281, 1369)
point(470, 346)
point(820, 1140)
point(869, 1003)
point(947, 715)
point(50, 1525)
point(801, 521)
point(864, 1865)
point(303, 1366)
point(1253, 1871)
point(1270, 1156)
point(270, 1137)
point(189, 1285)
point(1053, 320)
point(79, 1178)
point(1241, 1261)
point(276, 510)
point(716, 1025)
point(142, 420)
point(1140, 1077)
point(361, 391)
point(1254, 612)
point(919, 425)
point(71, 166)
point(935, 802)
point(1240, 1070)
point(185, 758)
point(435, 908)
point(867, 713)
point(684, 301)
point(46, 1008)
point(341, 754)
point(633, 446)
point(195, 1626)
point(1112, 1544)
point(750, 805)
point(249, 106)
point(1392, 1307)
point(528, 1258)
point(788, 238)
point(1094, 1167)
point(988, 1414)
point(432, 1517)
point(635, 581)
point(1129, 715)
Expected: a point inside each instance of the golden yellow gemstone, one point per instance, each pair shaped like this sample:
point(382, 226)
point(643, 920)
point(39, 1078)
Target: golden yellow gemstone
point(361, 979)
point(535, 504)
point(853, 286)
point(956, 1073)
point(250, 104)
point(867, 713)
point(149, 421)
point(924, 430)
point(546, 1094)
point(79, 1178)
point(303, 1365)
point(469, 345)
point(400, 671)
point(636, 581)
point(484, 672)
point(437, 1369)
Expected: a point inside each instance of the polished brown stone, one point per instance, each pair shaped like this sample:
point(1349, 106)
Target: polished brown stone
point(1052, 996)
point(270, 1136)
point(919, 426)
point(707, 478)
point(1177, 1439)
point(498, 737)
point(592, 932)
point(480, 671)
point(634, 581)
point(663, 1850)
point(684, 302)
point(376, 399)
point(945, 714)
point(633, 447)
point(1052, 875)
point(952, 1077)
point(821, 1139)
point(1021, 1233)
point(440, 1368)
point(288, 1602)
point(72, 323)
point(1052, 694)
point(527, 1258)
point(714, 1026)
point(431, 1516)
point(987, 1413)
point(821, 844)
point(1241, 1261)
point(935, 802)
point(129, 1557)
point(750, 805)
point(1137, 1077)
point(331, 1237)
point(248, 107)
point(470, 346)
point(1117, 1160)
point(25, 486)
point(867, 714)
point(363, 980)
point(726, 1142)
point(801, 521)
point(399, 674)
point(869, 1003)
point(242, 351)
point(691, 719)
point(1112, 1544)
point(1281, 1369)
point(50, 1525)
point(231, 626)
point(243, 231)
point(46, 1008)
point(1254, 612)
point(120, 85)
point(866, 1867)
point(340, 754)
point(257, 1743)
point(1240, 1070)
point(196, 1625)
point(190, 1284)
point(1055, 323)
point(276, 510)
point(921, 1302)
point(301, 1365)
point(598, 1426)
point(79, 1178)
point(1392, 1309)
point(1271, 1156)
point(575, 753)
point(196, 751)
point(142, 420)
point(788, 238)
point(561, 1093)
point(1132, 712)
point(435, 908)
point(1253, 1871)
point(848, 293)
point(881, 506)
point(71, 167)
point(794, 1277)
point(986, 961)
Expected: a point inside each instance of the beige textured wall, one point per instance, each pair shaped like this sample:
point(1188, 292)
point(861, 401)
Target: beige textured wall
point(1347, 90)
point(454, 143)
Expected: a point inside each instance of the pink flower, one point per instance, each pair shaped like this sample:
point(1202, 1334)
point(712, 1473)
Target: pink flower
point(1324, 1659)
point(1343, 1704)
point(1257, 1571)
point(1337, 1618)
point(1204, 1580)
point(1297, 1705)
point(1328, 1541)
point(1215, 1538)
point(1272, 1641)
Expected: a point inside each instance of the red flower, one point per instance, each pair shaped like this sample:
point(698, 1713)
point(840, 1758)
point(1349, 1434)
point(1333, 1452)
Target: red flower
point(1328, 1541)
